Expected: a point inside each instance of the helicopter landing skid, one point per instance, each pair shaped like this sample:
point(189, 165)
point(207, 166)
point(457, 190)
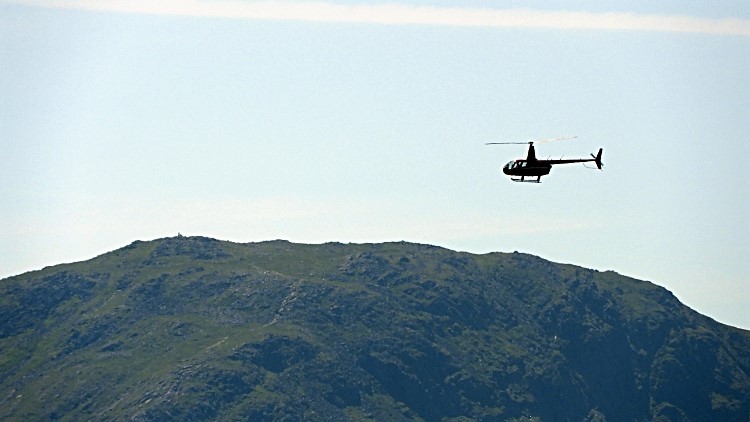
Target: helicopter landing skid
point(522, 180)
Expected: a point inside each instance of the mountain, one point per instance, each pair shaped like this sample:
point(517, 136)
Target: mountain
point(192, 328)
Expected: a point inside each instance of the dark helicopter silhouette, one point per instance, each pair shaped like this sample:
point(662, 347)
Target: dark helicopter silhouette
point(532, 167)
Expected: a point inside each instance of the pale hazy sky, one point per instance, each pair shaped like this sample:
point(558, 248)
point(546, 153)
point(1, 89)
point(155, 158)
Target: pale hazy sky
point(366, 122)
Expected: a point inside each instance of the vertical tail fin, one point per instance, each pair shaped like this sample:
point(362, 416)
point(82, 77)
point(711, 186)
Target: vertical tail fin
point(598, 159)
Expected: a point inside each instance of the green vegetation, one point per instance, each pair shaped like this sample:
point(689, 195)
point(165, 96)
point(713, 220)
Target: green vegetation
point(192, 328)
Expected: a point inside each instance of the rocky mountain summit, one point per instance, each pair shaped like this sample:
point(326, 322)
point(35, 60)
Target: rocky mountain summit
point(192, 328)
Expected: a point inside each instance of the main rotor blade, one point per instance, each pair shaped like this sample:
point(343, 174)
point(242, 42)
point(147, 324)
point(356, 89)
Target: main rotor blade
point(543, 141)
point(556, 139)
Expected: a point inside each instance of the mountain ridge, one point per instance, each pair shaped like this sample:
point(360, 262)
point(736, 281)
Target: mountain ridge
point(195, 328)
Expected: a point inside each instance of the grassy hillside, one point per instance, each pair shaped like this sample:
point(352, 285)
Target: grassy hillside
point(192, 328)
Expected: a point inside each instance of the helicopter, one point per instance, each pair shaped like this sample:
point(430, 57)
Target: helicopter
point(532, 167)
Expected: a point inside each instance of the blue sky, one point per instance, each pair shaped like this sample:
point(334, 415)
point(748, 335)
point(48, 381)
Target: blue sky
point(318, 122)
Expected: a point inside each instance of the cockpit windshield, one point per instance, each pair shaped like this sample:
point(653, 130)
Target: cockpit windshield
point(515, 164)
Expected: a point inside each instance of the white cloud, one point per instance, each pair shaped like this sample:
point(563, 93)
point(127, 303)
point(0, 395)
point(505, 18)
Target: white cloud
point(402, 14)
